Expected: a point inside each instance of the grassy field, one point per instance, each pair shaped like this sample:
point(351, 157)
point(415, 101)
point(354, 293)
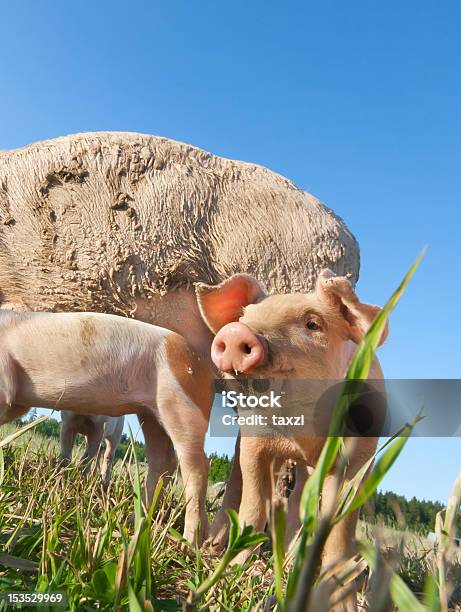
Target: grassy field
point(61, 532)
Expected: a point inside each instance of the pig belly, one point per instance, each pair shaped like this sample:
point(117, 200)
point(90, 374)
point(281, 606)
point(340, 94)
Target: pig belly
point(98, 396)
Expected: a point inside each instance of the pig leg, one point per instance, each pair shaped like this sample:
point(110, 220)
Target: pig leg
point(112, 443)
point(107, 460)
point(8, 411)
point(4, 405)
point(340, 544)
point(231, 499)
point(194, 472)
point(186, 424)
point(66, 440)
point(294, 501)
point(93, 444)
point(161, 458)
point(256, 489)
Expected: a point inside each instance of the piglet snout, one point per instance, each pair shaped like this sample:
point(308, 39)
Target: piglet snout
point(236, 348)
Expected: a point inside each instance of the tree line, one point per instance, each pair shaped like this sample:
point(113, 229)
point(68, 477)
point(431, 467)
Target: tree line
point(391, 509)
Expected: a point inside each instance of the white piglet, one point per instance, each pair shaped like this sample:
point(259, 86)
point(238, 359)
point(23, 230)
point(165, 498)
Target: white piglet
point(93, 363)
point(95, 428)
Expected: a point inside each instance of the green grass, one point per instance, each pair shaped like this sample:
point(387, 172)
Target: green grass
point(69, 534)
point(64, 533)
point(61, 532)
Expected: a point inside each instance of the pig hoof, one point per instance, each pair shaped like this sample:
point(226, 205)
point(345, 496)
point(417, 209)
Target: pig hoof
point(214, 547)
point(189, 545)
point(185, 547)
point(219, 533)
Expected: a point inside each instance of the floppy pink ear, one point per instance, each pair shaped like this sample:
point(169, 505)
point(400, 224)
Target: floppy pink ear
point(337, 291)
point(224, 303)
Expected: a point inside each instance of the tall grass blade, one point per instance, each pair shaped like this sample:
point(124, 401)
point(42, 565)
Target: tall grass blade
point(382, 467)
point(278, 526)
point(22, 430)
point(401, 594)
point(357, 372)
point(239, 540)
point(445, 533)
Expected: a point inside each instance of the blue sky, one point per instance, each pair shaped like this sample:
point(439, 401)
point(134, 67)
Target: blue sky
point(358, 103)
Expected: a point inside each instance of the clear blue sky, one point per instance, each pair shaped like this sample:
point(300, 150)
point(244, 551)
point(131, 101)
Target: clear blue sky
point(358, 103)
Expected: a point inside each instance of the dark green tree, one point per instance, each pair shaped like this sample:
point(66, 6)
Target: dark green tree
point(220, 467)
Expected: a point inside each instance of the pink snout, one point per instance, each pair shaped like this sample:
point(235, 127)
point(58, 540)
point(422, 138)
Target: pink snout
point(236, 348)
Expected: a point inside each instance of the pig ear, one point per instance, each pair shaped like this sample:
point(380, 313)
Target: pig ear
point(222, 304)
point(337, 291)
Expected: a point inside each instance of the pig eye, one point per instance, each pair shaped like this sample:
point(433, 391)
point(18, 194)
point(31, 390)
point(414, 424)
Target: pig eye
point(312, 325)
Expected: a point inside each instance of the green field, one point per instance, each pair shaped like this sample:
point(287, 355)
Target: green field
point(106, 551)
point(60, 532)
